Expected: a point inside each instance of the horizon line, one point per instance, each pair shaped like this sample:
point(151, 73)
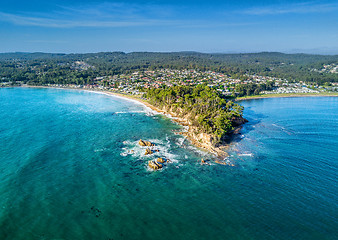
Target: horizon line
point(184, 51)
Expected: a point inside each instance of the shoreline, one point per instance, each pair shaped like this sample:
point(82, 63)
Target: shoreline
point(286, 95)
point(187, 131)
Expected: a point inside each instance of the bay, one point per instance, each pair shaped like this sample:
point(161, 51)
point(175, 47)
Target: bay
point(71, 168)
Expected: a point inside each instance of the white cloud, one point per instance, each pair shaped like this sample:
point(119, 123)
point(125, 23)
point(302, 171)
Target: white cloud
point(101, 15)
point(299, 8)
point(112, 15)
point(61, 23)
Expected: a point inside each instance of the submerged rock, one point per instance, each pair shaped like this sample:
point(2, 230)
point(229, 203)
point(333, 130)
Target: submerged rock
point(154, 165)
point(220, 162)
point(204, 162)
point(225, 163)
point(148, 151)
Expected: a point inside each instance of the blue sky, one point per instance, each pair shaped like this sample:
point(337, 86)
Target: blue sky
point(205, 26)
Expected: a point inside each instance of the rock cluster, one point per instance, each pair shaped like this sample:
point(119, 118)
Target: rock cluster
point(145, 143)
point(153, 164)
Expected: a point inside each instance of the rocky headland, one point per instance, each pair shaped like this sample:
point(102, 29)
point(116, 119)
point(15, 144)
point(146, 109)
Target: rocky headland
point(195, 135)
point(194, 132)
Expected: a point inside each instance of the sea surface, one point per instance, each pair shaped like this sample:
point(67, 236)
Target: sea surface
point(71, 168)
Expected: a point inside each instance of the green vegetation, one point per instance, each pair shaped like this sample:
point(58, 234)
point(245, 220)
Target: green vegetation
point(204, 107)
point(43, 68)
point(252, 88)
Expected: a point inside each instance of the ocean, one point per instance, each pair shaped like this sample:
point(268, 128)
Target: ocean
point(71, 168)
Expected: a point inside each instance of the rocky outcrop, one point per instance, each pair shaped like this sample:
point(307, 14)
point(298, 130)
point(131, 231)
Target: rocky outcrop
point(204, 140)
point(239, 121)
point(141, 143)
point(154, 165)
point(148, 151)
point(198, 138)
point(145, 143)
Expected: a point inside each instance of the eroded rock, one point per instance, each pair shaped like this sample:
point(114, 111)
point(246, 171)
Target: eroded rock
point(145, 143)
point(148, 151)
point(154, 165)
point(141, 143)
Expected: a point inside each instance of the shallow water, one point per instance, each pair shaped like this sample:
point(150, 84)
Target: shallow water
point(70, 168)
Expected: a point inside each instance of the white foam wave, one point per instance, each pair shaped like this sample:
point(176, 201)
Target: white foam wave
point(100, 150)
point(127, 142)
point(246, 154)
point(198, 151)
point(180, 141)
point(129, 112)
point(156, 141)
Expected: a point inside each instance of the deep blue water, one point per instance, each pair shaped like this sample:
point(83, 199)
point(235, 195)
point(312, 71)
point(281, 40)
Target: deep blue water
point(70, 168)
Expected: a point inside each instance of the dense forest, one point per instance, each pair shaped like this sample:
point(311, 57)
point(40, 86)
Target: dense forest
point(40, 68)
point(204, 107)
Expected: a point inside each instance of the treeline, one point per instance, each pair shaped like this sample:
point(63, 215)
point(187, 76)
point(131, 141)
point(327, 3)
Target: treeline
point(40, 72)
point(57, 68)
point(252, 88)
point(205, 108)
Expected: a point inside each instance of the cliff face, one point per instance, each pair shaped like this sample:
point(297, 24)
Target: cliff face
point(198, 138)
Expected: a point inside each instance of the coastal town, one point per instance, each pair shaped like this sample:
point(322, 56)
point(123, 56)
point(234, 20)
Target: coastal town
point(136, 82)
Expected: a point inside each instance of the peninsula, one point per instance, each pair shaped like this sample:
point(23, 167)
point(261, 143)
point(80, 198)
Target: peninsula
point(211, 118)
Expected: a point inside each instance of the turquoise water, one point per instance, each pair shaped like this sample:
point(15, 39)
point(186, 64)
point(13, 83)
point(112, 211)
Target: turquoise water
point(70, 168)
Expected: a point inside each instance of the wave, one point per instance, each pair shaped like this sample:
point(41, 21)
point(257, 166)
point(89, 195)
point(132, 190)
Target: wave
point(246, 154)
point(127, 112)
point(146, 109)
